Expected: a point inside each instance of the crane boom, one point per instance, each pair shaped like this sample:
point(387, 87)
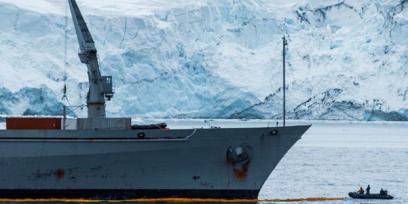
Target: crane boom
point(99, 87)
point(85, 40)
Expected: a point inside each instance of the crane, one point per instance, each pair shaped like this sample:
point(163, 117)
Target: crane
point(100, 87)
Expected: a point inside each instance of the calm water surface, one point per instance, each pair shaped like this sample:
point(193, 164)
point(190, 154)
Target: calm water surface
point(335, 158)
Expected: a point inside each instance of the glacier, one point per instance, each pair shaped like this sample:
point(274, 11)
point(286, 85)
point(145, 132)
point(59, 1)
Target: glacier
point(347, 60)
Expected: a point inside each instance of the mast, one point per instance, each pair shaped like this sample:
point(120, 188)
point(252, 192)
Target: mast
point(284, 44)
point(99, 87)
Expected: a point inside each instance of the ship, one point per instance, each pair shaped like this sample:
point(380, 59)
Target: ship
point(97, 157)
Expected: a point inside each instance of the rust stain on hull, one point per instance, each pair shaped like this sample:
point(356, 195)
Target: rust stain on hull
point(241, 171)
point(59, 174)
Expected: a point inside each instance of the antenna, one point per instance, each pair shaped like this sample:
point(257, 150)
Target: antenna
point(284, 44)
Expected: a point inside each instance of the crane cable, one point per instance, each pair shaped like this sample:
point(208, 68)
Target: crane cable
point(65, 97)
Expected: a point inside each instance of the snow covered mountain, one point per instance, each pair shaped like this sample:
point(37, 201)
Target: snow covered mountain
point(212, 59)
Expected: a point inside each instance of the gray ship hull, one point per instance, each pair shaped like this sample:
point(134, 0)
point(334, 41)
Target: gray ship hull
point(121, 164)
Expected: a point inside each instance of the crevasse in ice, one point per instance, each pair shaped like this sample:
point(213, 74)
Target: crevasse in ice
point(212, 59)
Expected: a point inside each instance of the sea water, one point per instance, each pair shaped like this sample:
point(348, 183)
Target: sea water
point(335, 158)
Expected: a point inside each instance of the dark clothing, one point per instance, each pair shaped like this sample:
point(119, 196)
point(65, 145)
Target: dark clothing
point(383, 192)
point(368, 190)
point(360, 191)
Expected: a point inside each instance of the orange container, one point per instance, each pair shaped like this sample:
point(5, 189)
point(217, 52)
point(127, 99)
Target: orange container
point(33, 123)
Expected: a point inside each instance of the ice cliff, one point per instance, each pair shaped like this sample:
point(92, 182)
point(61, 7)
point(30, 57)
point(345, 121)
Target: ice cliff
point(212, 59)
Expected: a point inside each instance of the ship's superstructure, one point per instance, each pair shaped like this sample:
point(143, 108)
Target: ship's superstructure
point(108, 158)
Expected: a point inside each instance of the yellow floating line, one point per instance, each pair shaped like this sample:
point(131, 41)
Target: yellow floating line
point(173, 200)
point(312, 199)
